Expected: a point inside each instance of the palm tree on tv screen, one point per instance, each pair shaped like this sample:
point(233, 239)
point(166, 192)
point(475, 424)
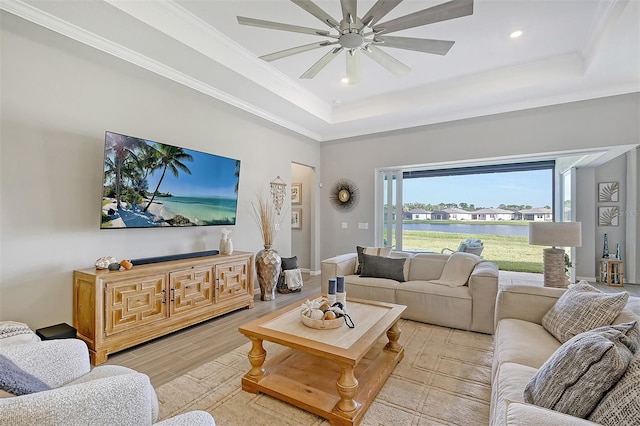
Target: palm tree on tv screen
point(170, 157)
point(122, 147)
point(236, 173)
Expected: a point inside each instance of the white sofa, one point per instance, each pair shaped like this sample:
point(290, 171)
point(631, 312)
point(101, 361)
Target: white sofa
point(79, 395)
point(467, 307)
point(521, 347)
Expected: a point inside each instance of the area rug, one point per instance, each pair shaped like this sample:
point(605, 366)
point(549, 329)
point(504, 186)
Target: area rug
point(444, 379)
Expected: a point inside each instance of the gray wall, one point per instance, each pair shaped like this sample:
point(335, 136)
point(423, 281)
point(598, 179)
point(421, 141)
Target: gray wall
point(58, 98)
point(587, 212)
point(576, 126)
point(301, 239)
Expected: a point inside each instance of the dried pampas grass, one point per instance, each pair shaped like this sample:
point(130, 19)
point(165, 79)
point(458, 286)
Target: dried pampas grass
point(267, 219)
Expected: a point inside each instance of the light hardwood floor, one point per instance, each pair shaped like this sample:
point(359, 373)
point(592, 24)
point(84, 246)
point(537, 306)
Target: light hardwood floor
point(171, 356)
point(168, 357)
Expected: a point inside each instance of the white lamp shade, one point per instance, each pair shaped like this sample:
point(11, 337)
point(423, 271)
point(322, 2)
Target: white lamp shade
point(555, 234)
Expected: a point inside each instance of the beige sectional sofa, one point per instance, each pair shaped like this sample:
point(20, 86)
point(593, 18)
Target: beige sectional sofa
point(468, 307)
point(521, 347)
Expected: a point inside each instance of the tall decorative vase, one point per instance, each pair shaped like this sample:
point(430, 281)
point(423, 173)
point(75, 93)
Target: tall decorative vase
point(268, 264)
point(605, 249)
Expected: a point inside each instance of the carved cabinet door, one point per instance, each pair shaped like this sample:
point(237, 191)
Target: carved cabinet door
point(232, 279)
point(134, 302)
point(190, 289)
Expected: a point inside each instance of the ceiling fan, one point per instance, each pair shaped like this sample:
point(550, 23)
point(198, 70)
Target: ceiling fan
point(366, 35)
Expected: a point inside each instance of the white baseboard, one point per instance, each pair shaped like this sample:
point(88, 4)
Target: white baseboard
point(590, 279)
point(309, 271)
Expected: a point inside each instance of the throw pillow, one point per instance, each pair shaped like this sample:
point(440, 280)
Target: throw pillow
point(382, 267)
point(17, 381)
point(12, 333)
point(582, 308)
point(457, 270)
point(289, 263)
point(582, 370)
point(375, 251)
point(621, 405)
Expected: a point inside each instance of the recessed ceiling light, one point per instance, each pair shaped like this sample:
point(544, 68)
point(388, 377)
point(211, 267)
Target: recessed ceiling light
point(344, 80)
point(515, 34)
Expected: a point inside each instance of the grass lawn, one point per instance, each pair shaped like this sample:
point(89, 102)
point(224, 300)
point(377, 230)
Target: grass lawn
point(510, 253)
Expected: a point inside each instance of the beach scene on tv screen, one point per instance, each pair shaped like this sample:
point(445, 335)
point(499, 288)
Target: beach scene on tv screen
point(150, 184)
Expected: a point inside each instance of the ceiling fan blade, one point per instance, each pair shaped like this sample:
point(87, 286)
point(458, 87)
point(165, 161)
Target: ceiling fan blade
point(378, 11)
point(437, 47)
point(315, 68)
point(316, 11)
point(442, 12)
point(293, 51)
point(349, 10)
point(353, 66)
point(278, 26)
point(394, 66)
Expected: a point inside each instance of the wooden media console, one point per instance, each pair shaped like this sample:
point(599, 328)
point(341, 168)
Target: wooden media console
point(114, 310)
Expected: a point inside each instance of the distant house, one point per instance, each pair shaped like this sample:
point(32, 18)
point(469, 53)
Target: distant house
point(538, 214)
point(492, 214)
point(451, 214)
point(417, 214)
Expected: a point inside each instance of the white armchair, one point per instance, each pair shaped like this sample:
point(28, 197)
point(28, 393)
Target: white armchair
point(79, 395)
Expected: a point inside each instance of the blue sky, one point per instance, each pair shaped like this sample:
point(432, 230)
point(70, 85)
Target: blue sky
point(211, 176)
point(485, 190)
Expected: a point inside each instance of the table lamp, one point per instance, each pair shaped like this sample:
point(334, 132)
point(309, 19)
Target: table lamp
point(560, 234)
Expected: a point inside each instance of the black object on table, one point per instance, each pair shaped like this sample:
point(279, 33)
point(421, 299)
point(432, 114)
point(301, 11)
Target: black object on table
point(58, 331)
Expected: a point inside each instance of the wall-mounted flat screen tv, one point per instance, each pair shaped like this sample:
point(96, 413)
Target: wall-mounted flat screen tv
point(149, 184)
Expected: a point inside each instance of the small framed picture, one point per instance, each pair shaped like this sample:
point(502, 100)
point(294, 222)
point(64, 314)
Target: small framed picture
point(608, 216)
point(296, 218)
point(296, 193)
point(608, 192)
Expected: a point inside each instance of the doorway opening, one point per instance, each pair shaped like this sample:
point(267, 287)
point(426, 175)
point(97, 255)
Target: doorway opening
point(430, 210)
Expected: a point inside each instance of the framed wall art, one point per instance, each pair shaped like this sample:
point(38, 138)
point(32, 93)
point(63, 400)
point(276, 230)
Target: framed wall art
point(296, 193)
point(608, 216)
point(608, 192)
point(296, 218)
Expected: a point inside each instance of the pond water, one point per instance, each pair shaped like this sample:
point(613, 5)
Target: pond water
point(467, 228)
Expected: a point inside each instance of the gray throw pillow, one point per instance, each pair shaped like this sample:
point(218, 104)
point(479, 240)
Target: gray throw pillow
point(289, 263)
point(582, 370)
point(382, 267)
point(582, 308)
point(374, 251)
point(17, 381)
point(621, 405)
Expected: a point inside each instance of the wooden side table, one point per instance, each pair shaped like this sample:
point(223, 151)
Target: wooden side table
point(611, 271)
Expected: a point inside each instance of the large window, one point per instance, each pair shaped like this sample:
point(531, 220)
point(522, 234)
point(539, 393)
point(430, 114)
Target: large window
point(432, 209)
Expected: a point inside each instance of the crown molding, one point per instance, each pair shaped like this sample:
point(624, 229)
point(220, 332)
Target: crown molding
point(178, 23)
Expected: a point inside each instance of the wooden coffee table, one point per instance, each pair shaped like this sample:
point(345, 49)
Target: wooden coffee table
point(335, 373)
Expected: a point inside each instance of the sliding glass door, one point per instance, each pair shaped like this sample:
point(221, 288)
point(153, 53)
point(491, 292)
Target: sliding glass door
point(388, 215)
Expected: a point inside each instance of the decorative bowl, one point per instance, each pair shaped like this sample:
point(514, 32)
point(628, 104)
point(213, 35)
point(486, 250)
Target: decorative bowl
point(321, 324)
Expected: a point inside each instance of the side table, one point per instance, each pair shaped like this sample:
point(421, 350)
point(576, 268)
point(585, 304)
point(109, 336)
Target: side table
point(611, 271)
point(58, 331)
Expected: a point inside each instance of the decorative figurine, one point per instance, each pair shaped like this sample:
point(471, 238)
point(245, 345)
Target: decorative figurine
point(605, 250)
